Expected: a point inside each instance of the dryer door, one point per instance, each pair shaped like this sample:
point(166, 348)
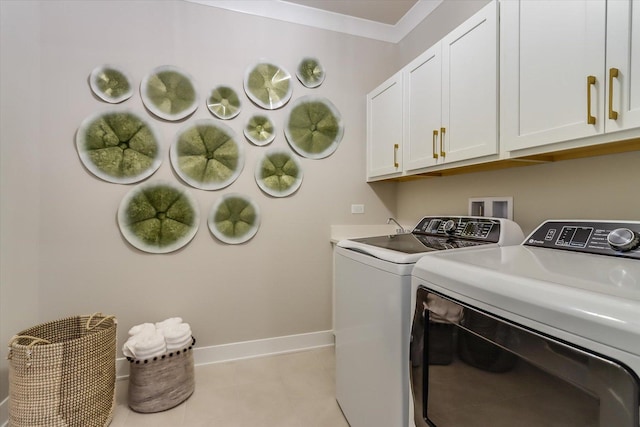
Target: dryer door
point(469, 368)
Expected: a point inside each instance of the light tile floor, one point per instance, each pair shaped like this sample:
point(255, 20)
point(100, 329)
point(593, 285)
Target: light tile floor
point(289, 390)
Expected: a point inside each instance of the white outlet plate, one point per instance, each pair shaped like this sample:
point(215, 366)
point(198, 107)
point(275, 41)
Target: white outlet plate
point(357, 209)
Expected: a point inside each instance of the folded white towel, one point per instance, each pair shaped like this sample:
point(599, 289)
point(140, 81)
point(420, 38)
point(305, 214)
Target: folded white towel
point(149, 340)
point(147, 346)
point(142, 328)
point(169, 322)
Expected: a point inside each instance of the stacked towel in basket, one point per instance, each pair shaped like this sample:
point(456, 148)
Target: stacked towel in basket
point(149, 340)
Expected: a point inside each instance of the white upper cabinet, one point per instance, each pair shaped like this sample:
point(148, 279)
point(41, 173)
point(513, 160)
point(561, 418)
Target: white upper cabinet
point(384, 129)
point(558, 81)
point(423, 109)
point(622, 97)
point(451, 95)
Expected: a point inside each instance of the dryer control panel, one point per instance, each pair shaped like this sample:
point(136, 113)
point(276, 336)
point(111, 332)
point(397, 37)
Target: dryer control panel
point(614, 238)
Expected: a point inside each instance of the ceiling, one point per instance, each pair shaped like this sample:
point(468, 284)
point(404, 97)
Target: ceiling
point(386, 20)
point(383, 11)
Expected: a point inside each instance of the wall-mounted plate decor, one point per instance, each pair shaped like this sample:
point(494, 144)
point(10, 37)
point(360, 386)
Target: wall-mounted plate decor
point(158, 217)
point(169, 93)
point(310, 72)
point(223, 102)
point(268, 85)
point(111, 84)
point(234, 218)
point(278, 173)
point(260, 130)
point(314, 127)
point(118, 146)
point(206, 155)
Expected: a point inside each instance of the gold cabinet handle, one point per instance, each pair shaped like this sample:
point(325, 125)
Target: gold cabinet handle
point(395, 155)
point(435, 143)
point(613, 73)
point(591, 81)
point(442, 132)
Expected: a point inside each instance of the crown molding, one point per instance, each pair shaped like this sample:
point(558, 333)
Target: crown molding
point(299, 14)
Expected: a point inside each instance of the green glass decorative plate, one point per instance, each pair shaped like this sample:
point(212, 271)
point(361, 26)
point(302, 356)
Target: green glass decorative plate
point(310, 72)
point(118, 146)
point(158, 217)
point(278, 173)
point(206, 155)
point(260, 130)
point(314, 127)
point(111, 84)
point(268, 85)
point(223, 102)
point(234, 218)
point(169, 93)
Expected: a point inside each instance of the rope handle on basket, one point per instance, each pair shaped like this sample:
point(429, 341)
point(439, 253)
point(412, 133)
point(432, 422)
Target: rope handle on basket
point(89, 327)
point(35, 340)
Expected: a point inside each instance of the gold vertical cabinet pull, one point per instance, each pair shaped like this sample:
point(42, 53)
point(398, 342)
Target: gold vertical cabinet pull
point(395, 155)
point(591, 81)
point(435, 144)
point(613, 73)
point(442, 132)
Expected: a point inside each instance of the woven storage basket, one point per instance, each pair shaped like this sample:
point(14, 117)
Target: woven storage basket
point(161, 383)
point(62, 373)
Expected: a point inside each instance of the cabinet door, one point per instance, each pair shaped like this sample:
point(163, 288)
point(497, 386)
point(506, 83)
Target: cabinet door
point(422, 114)
point(470, 87)
point(384, 128)
point(623, 65)
point(549, 49)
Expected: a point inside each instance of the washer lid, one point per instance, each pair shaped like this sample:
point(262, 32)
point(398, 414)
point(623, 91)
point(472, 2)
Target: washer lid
point(593, 296)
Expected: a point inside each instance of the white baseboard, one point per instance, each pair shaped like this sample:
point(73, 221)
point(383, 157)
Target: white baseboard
point(248, 349)
point(226, 353)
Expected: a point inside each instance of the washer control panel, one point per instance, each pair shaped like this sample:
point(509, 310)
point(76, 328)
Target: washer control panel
point(613, 238)
point(476, 228)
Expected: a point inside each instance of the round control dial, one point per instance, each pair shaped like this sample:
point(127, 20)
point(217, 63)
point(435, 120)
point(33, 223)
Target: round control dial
point(623, 239)
point(449, 226)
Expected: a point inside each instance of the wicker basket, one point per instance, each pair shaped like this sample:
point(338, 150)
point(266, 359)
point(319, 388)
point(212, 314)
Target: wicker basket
point(62, 373)
point(161, 383)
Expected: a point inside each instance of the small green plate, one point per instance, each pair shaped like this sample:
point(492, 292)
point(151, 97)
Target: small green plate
point(118, 146)
point(111, 84)
point(278, 173)
point(310, 72)
point(158, 217)
point(234, 218)
point(206, 155)
point(223, 102)
point(314, 127)
point(268, 85)
point(260, 130)
point(169, 93)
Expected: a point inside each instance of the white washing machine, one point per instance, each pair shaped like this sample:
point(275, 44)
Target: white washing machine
point(540, 334)
point(373, 305)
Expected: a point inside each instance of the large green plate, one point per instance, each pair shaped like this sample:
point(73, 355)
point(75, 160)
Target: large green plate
point(118, 146)
point(169, 93)
point(158, 217)
point(278, 173)
point(206, 155)
point(268, 85)
point(111, 84)
point(314, 127)
point(234, 218)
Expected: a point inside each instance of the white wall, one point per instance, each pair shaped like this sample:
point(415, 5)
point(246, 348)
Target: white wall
point(62, 253)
